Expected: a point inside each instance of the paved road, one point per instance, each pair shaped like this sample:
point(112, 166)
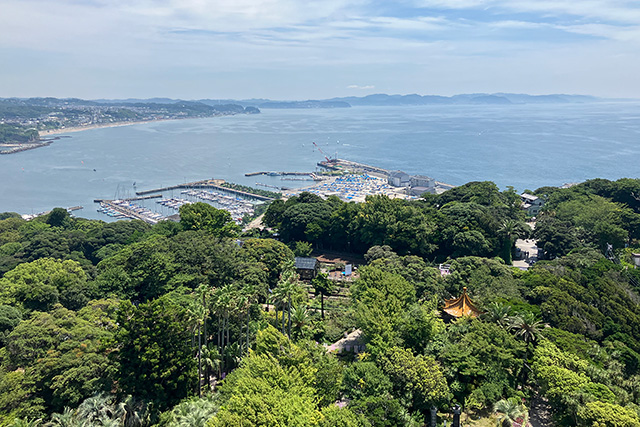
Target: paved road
point(529, 247)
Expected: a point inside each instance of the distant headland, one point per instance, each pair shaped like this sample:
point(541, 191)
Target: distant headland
point(24, 121)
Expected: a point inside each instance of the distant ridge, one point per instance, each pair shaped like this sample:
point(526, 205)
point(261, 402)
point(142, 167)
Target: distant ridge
point(380, 99)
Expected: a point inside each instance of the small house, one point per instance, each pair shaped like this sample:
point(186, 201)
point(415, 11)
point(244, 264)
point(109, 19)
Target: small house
point(307, 268)
point(532, 204)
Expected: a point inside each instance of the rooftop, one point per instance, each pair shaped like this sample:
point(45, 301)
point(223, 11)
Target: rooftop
point(461, 306)
point(529, 196)
point(306, 263)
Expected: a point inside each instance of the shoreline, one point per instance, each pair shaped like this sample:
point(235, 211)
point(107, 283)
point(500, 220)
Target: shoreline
point(99, 126)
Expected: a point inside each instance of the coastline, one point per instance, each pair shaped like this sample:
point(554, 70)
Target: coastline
point(98, 126)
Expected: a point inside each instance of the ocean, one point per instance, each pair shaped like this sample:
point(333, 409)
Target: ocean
point(524, 146)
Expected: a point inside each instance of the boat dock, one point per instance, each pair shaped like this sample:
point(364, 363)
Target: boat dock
point(123, 209)
point(211, 184)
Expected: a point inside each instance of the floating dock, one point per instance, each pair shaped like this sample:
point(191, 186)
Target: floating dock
point(127, 212)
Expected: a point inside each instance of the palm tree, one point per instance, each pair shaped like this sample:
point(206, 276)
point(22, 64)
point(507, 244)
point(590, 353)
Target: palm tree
point(323, 286)
point(511, 413)
point(194, 413)
point(279, 301)
point(25, 422)
point(225, 304)
point(212, 359)
point(66, 419)
point(300, 317)
point(498, 313)
point(232, 355)
point(95, 408)
point(289, 288)
point(132, 412)
point(249, 293)
point(527, 326)
point(198, 315)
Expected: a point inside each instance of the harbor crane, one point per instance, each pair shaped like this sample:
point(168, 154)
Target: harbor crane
point(327, 158)
point(320, 150)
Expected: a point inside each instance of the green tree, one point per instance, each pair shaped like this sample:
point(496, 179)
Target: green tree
point(603, 414)
point(274, 256)
point(334, 416)
point(511, 230)
point(202, 216)
point(262, 392)
point(302, 249)
point(155, 356)
point(59, 217)
point(63, 354)
point(418, 377)
point(365, 379)
point(40, 284)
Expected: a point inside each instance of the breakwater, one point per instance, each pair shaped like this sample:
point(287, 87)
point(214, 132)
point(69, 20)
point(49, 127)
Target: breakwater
point(211, 184)
point(355, 167)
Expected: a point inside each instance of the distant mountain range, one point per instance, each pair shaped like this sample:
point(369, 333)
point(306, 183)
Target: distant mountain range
point(387, 100)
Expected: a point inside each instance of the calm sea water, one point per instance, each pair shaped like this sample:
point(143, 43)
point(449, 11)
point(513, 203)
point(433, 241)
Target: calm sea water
point(526, 146)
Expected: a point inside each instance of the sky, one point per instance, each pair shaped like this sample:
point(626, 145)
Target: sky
point(302, 49)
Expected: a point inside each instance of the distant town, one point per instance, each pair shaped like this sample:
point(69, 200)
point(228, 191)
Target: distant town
point(25, 123)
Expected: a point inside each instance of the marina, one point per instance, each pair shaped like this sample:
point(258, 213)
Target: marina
point(238, 203)
point(209, 184)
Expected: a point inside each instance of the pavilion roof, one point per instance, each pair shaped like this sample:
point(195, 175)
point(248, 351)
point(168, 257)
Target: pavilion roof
point(461, 306)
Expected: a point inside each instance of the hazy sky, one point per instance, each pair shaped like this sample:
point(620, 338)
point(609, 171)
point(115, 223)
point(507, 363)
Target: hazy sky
point(301, 49)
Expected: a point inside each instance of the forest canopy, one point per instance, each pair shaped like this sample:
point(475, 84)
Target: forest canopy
point(201, 323)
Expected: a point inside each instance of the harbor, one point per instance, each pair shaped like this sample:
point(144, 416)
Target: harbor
point(353, 182)
point(159, 204)
point(208, 184)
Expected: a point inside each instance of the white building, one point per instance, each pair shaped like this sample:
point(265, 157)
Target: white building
point(532, 204)
point(422, 181)
point(399, 179)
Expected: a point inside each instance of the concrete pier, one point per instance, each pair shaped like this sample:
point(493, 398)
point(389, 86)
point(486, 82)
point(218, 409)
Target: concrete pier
point(212, 184)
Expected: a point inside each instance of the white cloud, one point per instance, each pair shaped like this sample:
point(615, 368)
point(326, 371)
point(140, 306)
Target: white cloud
point(169, 41)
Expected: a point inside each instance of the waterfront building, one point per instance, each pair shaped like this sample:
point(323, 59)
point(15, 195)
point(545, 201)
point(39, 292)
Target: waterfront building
point(422, 181)
point(399, 179)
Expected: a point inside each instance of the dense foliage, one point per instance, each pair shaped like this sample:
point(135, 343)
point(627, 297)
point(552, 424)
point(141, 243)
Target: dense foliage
point(195, 323)
point(17, 134)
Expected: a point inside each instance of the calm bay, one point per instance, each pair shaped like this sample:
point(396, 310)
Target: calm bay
point(526, 146)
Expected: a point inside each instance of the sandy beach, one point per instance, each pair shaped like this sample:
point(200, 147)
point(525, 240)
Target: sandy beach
point(99, 126)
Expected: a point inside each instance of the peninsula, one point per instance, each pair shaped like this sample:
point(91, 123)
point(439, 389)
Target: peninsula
point(24, 121)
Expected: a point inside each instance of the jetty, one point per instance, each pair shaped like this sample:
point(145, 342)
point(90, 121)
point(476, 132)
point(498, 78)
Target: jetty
point(133, 199)
point(354, 167)
point(278, 173)
point(209, 184)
